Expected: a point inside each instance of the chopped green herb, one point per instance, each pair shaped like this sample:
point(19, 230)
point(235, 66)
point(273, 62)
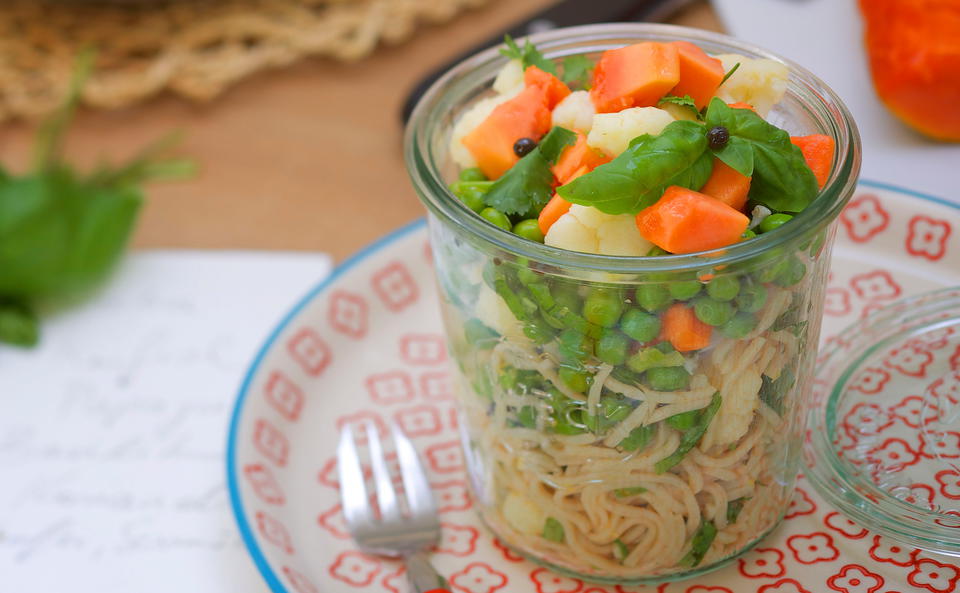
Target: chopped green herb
point(700, 544)
point(683, 421)
point(553, 530)
point(527, 186)
point(782, 180)
point(527, 417)
point(734, 507)
point(772, 391)
point(528, 55)
point(620, 550)
point(638, 438)
point(638, 176)
point(577, 70)
point(691, 436)
point(18, 324)
point(626, 492)
point(729, 73)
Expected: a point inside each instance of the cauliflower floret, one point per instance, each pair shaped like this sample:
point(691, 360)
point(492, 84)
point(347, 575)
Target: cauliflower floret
point(508, 84)
point(589, 230)
point(575, 112)
point(522, 514)
point(759, 82)
point(509, 80)
point(493, 312)
point(612, 132)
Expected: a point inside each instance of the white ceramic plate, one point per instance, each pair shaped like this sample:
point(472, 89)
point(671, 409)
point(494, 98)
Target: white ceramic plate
point(367, 344)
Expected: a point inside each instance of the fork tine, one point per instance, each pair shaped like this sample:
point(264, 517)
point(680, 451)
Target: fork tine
point(386, 495)
point(353, 492)
point(415, 484)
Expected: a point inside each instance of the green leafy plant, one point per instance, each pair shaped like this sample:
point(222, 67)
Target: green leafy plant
point(62, 231)
point(528, 55)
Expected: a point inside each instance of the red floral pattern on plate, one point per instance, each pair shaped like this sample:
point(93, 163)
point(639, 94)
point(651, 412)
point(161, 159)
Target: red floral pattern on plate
point(892, 552)
point(864, 218)
point(844, 526)
point(812, 548)
point(783, 586)
point(762, 563)
point(548, 582)
point(949, 481)
point(349, 314)
point(927, 237)
point(478, 577)
point(871, 381)
point(355, 569)
point(878, 284)
point(854, 578)
point(934, 576)
point(909, 361)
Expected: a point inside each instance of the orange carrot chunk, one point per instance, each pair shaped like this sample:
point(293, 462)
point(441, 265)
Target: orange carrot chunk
point(552, 212)
point(740, 105)
point(685, 221)
point(700, 74)
point(817, 150)
point(727, 185)
point(634, 76)
point(576, 156)
point(491, 143)
point(553, 88)
point(680, 327)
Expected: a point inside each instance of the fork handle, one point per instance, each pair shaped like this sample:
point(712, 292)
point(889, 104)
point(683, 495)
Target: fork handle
point(423, 577)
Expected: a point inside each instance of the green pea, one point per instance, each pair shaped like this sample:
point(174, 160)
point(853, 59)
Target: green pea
point(471, 193)
point(566, 295)
point(747, 235)
point(792, 272)
point(612, 347)
point(529, 229)
point(774, 221)
point(769, 273)
point(639, 325)
point(575, 380)
point(752, 298)
point(685, 289)
point(723, 288)
point(653, 297)
point(603, 307)
point(574, 345)
point(739, 326)
point(713, 312)
point(668, 378)
point(472, 174)
point(495, 217)
point(539, 331)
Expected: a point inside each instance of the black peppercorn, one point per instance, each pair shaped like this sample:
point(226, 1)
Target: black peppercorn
point(523, 146)
point(717, 137)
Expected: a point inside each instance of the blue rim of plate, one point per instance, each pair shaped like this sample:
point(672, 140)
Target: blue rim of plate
point(246, 531)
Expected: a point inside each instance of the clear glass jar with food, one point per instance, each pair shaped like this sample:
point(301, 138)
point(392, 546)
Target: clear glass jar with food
point(631, 227)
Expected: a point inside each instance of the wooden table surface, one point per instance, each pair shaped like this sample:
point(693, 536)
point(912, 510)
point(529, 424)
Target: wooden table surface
point(306, 158)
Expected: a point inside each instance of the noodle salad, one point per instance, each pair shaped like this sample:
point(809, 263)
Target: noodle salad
point(633, 426)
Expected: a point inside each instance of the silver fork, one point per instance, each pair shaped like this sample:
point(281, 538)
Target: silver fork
point(394, 533)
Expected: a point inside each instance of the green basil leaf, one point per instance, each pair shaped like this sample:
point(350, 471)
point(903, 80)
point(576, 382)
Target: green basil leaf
point(684, 101)
point(782, 181)
point(577, 70)
point(737, 154)
point(529, 55)
point(527, 186)
point(700, 544)
point(637, 177)
point(553, 530)
point(18, 324)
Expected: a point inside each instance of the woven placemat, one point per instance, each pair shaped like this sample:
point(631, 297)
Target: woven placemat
point(194, 48)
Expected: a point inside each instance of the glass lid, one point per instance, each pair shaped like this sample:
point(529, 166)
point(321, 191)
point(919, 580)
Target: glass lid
point(884, 439)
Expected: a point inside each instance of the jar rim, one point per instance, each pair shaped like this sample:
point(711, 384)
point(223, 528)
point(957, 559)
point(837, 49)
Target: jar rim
point(475, 73)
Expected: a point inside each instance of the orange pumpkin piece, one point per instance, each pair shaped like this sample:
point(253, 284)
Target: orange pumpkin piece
point(557, 206)
point(491, 143)
point(680, 327)
point(914, 53)
point(817, 150)
point(553, 88)
point(727, 185)
point(575, 157)
point(686, 221)
point(740, 105)
point(700, 74)
point(634, 76)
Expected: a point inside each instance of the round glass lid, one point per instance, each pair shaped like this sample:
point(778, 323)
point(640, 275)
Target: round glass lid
point(884, 430)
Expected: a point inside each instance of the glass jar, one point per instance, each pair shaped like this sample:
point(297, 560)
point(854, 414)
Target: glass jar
point(596, 444)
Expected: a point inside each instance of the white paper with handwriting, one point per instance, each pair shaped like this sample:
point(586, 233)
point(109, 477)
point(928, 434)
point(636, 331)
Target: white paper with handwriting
point(112, 433)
